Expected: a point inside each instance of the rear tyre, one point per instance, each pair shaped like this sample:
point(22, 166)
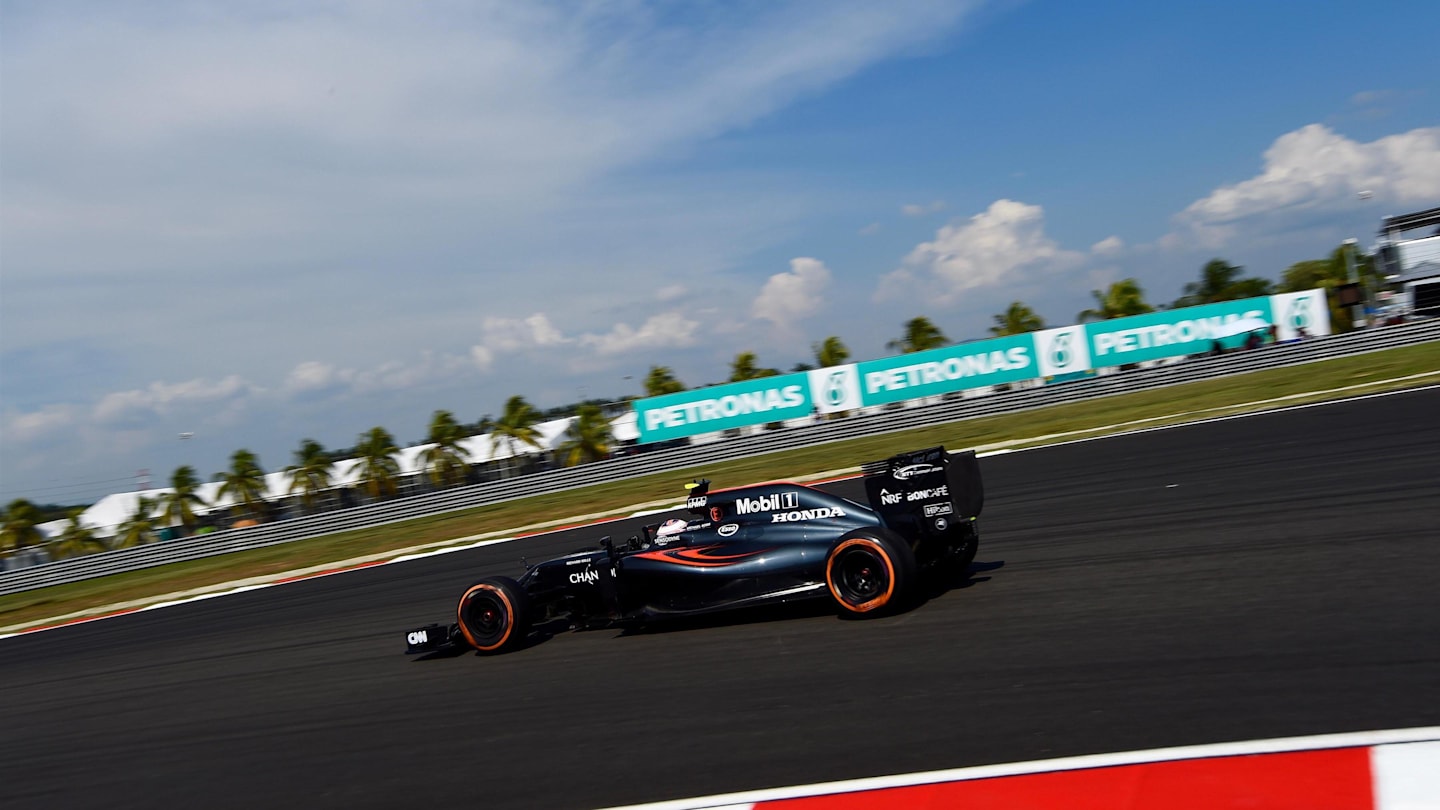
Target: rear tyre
point(870, 571)
point(494, 615)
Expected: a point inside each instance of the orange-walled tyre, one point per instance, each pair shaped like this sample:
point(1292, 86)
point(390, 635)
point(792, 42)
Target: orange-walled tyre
point(870, 571)
point(494, 615)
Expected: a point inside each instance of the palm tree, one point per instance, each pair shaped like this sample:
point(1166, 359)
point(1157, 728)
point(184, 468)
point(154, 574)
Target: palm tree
point(310, 474)
point(76, 539)
point(139, 528)
point(588, 437)
point(516, 426)
point(920, 335)
point(1221, 281)
point(379, 470)
point(180, 502)
point(244, 483)
point(1328, 274)
point(445, 458)
point(744, 368)
point(831, 352)
point(22, 526)
point(661, 381)
point(1017, 319)
point(1123, 299)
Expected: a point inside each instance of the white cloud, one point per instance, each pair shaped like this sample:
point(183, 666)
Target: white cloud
point(483, 358)
point(127, 409)
point(870, 230)
point(671, 292)
point(987, 250)
point(403, 376)
point(793, 296)
point(312, 375)
point(534, 333)
point(666, 330)
point(1314, 170)
point(48, 422)
point(918, 210)
point(1109, 246)
point(515, 334)
point(313, 378)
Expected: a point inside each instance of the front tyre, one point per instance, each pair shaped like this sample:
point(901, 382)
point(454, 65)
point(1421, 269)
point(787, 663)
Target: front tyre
point(870, 570)
point(494, 615)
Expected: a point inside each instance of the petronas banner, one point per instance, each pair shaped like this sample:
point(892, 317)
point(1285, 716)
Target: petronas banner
point(953, 368)
point(706, 410)
point(1047, 354)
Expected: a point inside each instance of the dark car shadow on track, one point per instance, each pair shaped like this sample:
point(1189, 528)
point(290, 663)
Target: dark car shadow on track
point(448, 652)
point(930, 588)
point(760, 614)
point(934, 587)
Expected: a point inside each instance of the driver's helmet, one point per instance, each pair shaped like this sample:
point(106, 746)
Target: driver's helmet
point(669, 530)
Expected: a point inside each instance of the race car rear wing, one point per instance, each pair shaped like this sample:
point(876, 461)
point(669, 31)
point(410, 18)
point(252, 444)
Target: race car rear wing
point(925, 492)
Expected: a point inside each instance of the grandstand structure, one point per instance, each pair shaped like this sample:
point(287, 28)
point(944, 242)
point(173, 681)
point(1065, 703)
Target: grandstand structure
point(1409, 248)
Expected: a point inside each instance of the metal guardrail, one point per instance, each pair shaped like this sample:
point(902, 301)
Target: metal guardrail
point(902, 418)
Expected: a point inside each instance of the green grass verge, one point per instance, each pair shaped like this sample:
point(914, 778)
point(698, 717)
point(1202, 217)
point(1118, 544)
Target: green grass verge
point(1247, 392)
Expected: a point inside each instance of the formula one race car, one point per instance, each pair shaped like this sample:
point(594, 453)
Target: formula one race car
point(752, 545)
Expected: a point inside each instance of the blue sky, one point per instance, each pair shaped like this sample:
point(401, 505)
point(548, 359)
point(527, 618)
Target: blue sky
point(277, 221)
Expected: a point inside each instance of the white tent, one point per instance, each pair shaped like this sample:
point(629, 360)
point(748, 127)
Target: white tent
point(107, 514)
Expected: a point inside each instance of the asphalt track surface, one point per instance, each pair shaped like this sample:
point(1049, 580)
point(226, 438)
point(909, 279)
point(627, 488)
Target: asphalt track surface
point(1261, 577)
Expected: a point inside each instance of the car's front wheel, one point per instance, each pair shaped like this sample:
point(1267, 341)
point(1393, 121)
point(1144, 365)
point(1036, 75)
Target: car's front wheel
point(870, 570)
point(494, 615)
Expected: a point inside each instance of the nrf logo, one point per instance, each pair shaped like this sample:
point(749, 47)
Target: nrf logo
point(767, 503)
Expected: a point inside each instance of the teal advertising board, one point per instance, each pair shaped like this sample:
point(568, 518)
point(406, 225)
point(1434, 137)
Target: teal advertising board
point(953, 368)
point(1175, 332)
point(753, 402)
point(1062, 352)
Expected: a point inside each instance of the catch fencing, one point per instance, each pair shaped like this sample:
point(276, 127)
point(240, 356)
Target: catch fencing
point(901, 417)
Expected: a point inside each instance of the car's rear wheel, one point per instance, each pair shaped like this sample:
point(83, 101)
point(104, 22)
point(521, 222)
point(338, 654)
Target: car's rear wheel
point(869, 571)
point(494, 615)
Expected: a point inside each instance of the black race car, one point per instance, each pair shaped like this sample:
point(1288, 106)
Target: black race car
point(752, 545)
